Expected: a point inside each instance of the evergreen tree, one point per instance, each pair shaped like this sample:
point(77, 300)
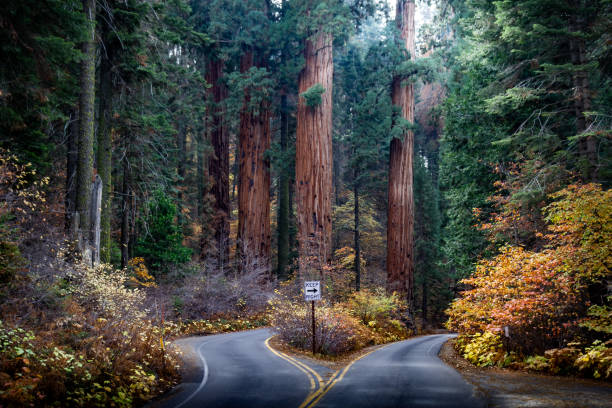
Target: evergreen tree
point(38, 84)
point(161, 243)
point(363, 94)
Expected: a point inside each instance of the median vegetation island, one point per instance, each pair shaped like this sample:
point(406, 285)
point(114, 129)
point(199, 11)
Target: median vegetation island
point(342, 325)
point(177, 168)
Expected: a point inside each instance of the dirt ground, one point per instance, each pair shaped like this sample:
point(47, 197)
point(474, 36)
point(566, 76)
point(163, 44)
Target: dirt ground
point(504, 388)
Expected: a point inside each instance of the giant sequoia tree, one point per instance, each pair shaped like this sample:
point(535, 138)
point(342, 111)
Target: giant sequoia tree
point(254, 235)
point(313, 165)
point(400, 223)
point(324, 21)
point(254, 191)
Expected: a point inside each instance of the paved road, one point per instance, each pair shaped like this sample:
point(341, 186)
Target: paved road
point(240, 370)
point(403, 374)
point(236, 370)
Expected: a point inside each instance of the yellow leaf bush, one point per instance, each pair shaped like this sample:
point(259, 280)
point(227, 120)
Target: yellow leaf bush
point(482, 349)
point(543, 296)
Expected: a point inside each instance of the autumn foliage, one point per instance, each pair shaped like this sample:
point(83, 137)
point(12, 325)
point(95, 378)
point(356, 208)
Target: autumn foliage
point(365, 318)
point(546, 298)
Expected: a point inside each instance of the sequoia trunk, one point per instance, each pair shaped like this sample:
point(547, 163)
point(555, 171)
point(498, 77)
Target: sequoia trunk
point(283, 195)
point(313, 155)
point(400, 227)
point(357, 237)
point(254, 174)
point(218, 164)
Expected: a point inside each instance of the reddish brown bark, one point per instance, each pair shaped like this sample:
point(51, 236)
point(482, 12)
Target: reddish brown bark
point(313, 155)
point(400, 228)
point(254, 189)
point(218, 164)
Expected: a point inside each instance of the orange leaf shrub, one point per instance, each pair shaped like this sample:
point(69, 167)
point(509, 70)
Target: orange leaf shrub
point(529, 292)
point(542, 296)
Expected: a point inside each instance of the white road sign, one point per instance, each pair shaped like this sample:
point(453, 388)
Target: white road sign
point(312, 290)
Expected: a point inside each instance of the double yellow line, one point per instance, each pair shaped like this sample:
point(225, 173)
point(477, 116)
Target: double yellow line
point(320, 388)
point(316, 382)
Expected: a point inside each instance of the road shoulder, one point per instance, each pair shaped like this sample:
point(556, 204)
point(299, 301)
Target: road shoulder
point(505, 388)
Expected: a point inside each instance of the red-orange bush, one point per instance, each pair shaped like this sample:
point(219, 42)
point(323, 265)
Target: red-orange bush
point(542, 295)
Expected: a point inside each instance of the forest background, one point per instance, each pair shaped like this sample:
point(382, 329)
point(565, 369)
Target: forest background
point(161, 101)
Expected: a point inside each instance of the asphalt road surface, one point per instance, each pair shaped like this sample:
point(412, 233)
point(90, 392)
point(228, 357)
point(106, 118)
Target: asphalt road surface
point(241, 370)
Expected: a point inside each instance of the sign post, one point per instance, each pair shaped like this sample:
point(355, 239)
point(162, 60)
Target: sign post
point(313, 328)
point(312, 292)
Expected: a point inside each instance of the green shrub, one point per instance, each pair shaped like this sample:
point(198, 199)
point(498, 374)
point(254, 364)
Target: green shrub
point(537, 363)
point(596, 361)
point(369, 306)
point(599, 318)
point(111, 364)
point(382, 314)
point(10, 261)
point(205, 326)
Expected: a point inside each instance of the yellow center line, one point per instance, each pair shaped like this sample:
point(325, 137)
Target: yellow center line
point(312, 371)
point(314, 398)
point(315, 394)
point(290, 361)
point(322, 387)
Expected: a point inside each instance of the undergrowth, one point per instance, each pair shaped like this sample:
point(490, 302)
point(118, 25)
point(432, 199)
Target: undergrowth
point(365, 318)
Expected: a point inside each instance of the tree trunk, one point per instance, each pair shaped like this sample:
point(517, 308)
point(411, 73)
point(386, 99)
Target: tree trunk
point(201, 177)
point(424, 299)
point(104, 154)
point(71, 171)
point(218, 166)
point(181, 142)
point(313, 155)
point(125, 214)
point(292, 221)
point(357, 238)
point(86, 124)
point(283, 195)
point(254, 186)
point(400, 227)
point(95, 215)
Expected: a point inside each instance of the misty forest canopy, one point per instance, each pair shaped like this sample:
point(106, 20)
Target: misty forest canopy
point(179, 161)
